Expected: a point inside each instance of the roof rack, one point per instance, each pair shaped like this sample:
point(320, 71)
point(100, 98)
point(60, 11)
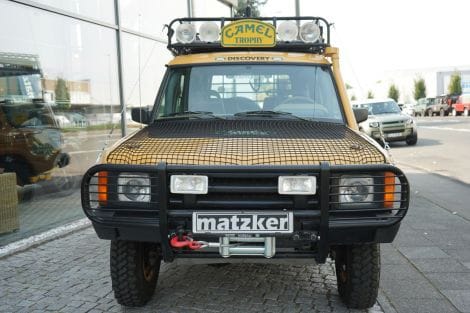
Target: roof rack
point(199, 46)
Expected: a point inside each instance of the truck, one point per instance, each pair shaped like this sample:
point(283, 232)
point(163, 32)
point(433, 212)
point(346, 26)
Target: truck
point(251, 153)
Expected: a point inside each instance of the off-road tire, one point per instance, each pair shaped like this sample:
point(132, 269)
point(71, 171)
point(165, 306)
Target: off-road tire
point(358, 274)
point(132, 285)
point(411, 140)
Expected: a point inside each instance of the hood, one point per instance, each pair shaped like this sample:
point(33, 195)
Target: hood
point(390, 117)
point(245, 142)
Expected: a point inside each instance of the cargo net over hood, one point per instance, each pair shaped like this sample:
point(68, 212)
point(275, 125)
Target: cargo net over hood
point(245, 142)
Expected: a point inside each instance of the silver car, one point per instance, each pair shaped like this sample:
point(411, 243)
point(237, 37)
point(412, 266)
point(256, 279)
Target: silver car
point(386, 122)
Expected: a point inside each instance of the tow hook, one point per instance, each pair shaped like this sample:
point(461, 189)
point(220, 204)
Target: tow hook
point(185, 241)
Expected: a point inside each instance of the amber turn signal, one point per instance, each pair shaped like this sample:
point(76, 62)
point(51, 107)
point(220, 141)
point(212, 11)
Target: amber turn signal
point(103, 188)
point(389, 189)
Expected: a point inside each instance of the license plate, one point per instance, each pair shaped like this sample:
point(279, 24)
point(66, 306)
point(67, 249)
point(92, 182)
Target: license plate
point(242, 222)
point(393, 135)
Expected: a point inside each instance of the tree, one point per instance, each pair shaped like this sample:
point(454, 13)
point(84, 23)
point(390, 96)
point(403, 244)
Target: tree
point(420, 88)
point(62, 95)
point(393, 92)
point(241, 11)
point(370, 95)
point(353, 98)
point(455, 84)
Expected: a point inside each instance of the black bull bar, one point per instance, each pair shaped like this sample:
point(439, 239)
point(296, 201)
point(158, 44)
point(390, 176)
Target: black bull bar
point(161, 206)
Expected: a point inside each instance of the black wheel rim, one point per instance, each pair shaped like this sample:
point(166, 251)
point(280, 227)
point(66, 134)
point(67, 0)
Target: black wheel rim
point(149, 261)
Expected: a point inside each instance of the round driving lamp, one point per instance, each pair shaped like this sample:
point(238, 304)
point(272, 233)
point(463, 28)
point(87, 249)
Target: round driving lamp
point(209, 32)
point(309, 32)
point(287, 31)
point(185, 33)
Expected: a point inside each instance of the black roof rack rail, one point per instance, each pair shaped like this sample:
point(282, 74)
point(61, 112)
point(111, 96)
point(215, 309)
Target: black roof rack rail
point(199, 46)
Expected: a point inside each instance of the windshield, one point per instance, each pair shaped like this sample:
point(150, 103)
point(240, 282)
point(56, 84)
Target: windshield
point(229, 91)
point(382, 107)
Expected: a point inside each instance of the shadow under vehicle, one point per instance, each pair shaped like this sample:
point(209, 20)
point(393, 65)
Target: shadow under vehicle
point(30, 141)
point(251, 153)
point(386, 122)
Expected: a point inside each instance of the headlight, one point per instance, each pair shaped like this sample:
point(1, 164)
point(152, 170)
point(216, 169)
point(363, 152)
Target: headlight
point(134, 187)
point(192, 184)
point(297, 185)
point(374, 124)
point(355, 189)
point(410, 121)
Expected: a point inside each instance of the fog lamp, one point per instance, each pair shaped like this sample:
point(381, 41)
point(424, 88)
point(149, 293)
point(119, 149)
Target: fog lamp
point(297, 185)
point(287, 31)
point(185, 33)
point(309, 32)
point(134, 187)
point(191, 184)
point(209, 32)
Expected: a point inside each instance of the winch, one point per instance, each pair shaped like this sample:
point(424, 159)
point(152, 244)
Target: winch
point(230, 245)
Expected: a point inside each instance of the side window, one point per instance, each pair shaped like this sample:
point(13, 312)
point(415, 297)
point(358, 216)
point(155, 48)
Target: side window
point(173, 97)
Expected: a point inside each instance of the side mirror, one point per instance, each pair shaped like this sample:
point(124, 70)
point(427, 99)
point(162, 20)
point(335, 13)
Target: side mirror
point(361, 115)
point(141, 115)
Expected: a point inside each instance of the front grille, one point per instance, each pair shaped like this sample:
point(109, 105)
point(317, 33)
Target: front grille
point(238, 191)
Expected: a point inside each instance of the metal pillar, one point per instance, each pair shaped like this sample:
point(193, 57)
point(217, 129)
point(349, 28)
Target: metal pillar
point(122, 99)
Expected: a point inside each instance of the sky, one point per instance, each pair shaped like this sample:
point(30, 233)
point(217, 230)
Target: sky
point(378, 36)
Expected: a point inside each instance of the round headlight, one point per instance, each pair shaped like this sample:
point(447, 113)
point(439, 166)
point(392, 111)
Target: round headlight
point(134, 187)
point(209, 32)
point(287, 31)
point(374, 124)
point(185, 33)
point(356, 189)
point(309, 32)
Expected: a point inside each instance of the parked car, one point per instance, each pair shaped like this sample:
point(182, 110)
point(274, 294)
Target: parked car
point(441, 106)
point(462, 106)
point(422, 105)
point(408, 109)
point(387, 123)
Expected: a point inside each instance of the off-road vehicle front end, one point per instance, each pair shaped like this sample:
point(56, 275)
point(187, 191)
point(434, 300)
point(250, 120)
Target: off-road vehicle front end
point(252, 151)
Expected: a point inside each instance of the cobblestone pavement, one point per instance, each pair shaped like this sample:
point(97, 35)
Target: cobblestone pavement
point(71, 275)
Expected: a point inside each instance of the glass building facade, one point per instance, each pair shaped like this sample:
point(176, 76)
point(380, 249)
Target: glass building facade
point(69, 73)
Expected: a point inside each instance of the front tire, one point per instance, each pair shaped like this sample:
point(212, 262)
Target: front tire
point(411, 140)
point(134, 271)
point(358, 274)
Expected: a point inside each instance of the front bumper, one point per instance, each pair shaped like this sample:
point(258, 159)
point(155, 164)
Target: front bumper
point(319, 220)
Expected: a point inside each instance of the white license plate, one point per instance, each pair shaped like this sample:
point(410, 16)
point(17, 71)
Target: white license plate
point(243, 222)
point(393, 135)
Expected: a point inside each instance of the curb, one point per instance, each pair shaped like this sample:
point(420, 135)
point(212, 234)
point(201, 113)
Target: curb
point(384, 303)
point(44, 237)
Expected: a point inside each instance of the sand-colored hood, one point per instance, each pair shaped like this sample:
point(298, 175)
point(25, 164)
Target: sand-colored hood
point(245, 142)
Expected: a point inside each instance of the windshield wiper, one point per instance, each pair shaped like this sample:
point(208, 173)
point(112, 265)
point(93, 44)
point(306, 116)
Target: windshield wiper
point(184, 114)
point(268, 113)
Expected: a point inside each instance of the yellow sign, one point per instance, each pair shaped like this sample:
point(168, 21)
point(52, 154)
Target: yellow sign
point(248, 33)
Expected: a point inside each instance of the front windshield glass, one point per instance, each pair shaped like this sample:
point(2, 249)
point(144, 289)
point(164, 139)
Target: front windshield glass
point(382, 107)
point(229, 91)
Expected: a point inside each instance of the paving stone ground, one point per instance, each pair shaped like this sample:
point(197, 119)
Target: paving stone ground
point(71, 274)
